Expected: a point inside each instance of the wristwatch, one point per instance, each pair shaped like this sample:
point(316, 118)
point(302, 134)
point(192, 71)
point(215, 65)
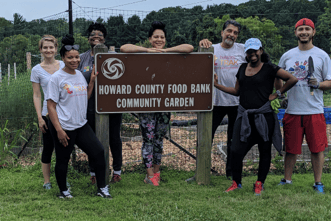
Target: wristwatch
point(278, 93)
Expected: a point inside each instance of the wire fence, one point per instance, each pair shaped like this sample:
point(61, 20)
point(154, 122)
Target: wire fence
point(16, 101)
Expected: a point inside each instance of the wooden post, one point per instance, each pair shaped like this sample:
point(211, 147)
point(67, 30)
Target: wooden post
point(204, 136)
point(28, 60)
point(8, 73)
point(102, 120)
point(202, 173)
point(102, 132)
point(15, 70)
point(112, 48)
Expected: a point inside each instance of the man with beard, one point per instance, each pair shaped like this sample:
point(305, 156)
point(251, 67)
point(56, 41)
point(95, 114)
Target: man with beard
point(256, 123)
point(228, 56)
point(304, 114)
point(96, 35)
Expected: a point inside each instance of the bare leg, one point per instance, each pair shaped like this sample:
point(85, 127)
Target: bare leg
point(290, 160)
point(150, 172)
point(317, 160)
point(46, 168)
point(156, 168)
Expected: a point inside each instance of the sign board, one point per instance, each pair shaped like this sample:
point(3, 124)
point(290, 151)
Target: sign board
point(154, 82)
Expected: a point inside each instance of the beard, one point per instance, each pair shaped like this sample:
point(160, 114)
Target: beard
point(306, 41)
point(229, 41)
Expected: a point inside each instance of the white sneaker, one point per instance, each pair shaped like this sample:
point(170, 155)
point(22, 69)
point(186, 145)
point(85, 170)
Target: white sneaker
point(65, 194)
point(104, 192)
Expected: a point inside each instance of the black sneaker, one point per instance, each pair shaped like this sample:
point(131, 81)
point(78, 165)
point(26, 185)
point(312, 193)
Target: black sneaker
point(65, 194)
point(103, 192)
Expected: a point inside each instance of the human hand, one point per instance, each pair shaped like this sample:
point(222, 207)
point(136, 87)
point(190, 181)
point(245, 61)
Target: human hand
point(93, 74)
point(273, 96)
point(215, 79)
point(205, 43)
point(155, 50)
point(313, 83)
point(63, 137)
point(42, 125)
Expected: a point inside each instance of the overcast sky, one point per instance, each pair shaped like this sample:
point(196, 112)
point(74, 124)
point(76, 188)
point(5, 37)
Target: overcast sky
point(35, 9)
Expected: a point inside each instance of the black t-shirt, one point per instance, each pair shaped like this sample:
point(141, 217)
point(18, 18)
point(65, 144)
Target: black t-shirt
point(255, 90)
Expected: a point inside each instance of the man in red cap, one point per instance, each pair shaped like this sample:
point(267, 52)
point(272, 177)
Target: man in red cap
point(305, 113)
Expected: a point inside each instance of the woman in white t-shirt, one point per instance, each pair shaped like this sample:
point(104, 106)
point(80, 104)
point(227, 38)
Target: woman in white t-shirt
point(67, 96)
point(40, 75)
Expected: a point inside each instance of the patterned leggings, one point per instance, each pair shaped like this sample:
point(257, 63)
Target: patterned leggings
point(153, 127)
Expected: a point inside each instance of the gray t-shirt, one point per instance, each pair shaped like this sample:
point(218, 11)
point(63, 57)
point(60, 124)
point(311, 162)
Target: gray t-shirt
point(69, 92)
point(227, 63)
point(295, 61)
point(40, 76)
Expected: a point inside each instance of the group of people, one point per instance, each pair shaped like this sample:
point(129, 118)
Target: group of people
point(67, 116)
point(244, 89)
point(251, 118)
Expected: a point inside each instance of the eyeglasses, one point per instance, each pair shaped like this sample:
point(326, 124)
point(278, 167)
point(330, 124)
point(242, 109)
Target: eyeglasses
point(70, 47)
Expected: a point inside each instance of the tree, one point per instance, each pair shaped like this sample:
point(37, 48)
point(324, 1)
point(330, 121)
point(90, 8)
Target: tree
point(323, 31)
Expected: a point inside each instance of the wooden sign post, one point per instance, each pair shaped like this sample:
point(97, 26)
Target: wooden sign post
point(102, 121)
point(204, 143)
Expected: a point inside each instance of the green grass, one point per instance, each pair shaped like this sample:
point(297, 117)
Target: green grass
point(22, 198)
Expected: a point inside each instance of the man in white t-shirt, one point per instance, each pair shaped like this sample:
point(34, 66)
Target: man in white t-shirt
point(228, 56)
point(305, 113)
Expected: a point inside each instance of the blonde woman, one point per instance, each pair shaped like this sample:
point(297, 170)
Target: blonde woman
point(40, 75)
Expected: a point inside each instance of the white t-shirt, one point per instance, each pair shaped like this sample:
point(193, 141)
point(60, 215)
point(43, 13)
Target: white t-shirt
point(40, 76)
point(69, 91)
point(227, 63)
point(295, 61)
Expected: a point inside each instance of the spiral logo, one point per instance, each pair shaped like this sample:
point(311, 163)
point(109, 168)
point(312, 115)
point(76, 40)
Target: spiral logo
point(113, 68)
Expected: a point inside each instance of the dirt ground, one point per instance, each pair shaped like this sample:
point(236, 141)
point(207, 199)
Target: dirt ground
point(187, 138)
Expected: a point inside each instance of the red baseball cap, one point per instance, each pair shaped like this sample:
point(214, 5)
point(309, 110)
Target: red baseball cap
point(305, 21)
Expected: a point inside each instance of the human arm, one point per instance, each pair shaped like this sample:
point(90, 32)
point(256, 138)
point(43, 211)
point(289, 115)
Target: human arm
point(290, 82)
point(91, 84)
point(183, 48)
point(205, 43)
point(325, 85)
point(230, 90)
point(130, 48)
point(61, 134)
point(326, 75)
point(37, 106)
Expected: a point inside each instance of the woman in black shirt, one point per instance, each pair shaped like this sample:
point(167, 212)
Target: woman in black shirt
point(256, 121)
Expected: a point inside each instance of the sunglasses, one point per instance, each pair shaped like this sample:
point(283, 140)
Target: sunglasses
point(70, 47)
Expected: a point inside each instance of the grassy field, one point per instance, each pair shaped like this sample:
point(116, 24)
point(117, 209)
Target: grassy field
point(22, 198)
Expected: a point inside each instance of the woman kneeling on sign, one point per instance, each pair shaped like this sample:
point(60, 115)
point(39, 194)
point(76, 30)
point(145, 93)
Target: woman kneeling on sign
point(67, 97)
point(154, 125)
point(256, 121)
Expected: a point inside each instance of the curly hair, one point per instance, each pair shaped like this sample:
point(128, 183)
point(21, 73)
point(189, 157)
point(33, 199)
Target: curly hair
point(97, 26)
point(157, 25)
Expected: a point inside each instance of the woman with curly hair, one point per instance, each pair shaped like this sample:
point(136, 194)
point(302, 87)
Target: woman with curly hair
point(154, 125)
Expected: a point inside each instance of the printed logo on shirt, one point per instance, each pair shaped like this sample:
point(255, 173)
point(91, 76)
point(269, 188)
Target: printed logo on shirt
point(66, 87)
point(300, 70)
point(86, 68)
point(226, 62)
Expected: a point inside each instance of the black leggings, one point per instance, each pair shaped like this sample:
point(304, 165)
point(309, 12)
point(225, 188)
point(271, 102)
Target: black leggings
point(219, 113)
point(240, 149)
point(89, 143)
point(48, 144)
point(115, 142)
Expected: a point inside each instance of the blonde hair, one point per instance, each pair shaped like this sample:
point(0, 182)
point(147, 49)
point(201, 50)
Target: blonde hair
point(49, 38)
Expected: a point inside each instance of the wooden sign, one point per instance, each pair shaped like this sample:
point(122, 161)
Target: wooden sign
point(154, 82)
